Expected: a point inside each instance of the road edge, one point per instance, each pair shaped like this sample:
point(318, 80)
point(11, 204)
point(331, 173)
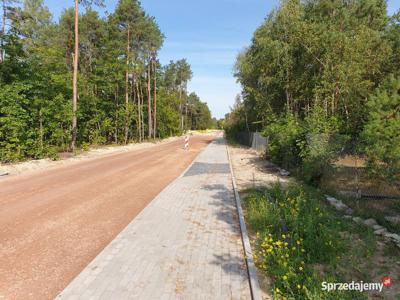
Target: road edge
point(251, 269)
point(12, 169)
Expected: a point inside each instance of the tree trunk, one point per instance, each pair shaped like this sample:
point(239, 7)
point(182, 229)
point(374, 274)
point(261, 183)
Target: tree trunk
point(287, 92)
point(287, 99)
point(155, 99)
point(75, 78)
point(41, 130)
point(3, 32)
point(149, 100)
point(127, 89)
point(116, 114)
point(139, 114)
point(181, 107)
point(186, 115)
point(141, 107)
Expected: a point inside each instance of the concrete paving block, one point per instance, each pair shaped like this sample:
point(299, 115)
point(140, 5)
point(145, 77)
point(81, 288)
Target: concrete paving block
point(185, 244)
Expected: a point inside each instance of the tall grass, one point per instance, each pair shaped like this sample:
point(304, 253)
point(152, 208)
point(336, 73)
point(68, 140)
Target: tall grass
point(295, 234)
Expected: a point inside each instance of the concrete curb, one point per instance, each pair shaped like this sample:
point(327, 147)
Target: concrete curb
point(251, 269)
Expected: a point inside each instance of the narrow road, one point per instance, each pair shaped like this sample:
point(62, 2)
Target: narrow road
point(186, 244)
point(54, 222)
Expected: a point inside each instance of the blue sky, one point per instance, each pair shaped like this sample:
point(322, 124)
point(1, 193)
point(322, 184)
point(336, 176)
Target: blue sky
point(209, 34)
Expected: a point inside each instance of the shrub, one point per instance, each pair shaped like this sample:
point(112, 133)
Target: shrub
point(283, 134)
point(308, 146)
point(319, 144)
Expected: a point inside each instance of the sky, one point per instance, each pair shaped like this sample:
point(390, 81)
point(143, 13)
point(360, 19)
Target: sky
point(209, 34)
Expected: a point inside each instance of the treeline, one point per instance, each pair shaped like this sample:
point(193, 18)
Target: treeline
point(322, 77)
point(122, 91)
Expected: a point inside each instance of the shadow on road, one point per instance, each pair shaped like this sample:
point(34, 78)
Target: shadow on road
point(199, 168)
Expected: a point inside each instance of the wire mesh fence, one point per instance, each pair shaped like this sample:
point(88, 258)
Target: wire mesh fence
point(349, 171)
point(253, 139)
point(347, 174)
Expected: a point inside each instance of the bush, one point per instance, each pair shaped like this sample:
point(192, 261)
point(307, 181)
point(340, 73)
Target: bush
point(319, 144)
point(283, 134)
point(308, 146)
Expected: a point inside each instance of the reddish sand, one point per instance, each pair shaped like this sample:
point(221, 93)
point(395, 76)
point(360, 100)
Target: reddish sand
point(54, 222)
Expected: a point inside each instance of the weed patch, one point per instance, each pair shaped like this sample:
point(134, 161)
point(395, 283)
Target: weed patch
point(299, 242)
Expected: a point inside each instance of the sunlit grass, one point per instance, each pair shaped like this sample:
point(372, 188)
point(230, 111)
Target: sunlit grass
point(296, 234)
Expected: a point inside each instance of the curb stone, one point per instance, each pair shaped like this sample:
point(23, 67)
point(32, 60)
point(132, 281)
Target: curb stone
point(251, 269)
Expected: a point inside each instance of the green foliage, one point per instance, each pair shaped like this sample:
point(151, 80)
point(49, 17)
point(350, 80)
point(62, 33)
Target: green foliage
point(36, 80)
point(31, 126)
point(236, 121)
point(283, 135)
point(294, 234)
point(382, 130)
point(309, 75)
point(169, 115)
point(199, 113)
point(319, 143)
point(14, 123)
point(220, 124)
point(308, 146)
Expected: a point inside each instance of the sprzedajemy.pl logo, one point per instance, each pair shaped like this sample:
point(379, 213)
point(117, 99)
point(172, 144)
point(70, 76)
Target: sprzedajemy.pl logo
point(356, 285)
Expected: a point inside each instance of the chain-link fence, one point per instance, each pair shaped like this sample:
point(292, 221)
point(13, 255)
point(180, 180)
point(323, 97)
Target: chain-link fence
point(347, 173)
point(253, 139)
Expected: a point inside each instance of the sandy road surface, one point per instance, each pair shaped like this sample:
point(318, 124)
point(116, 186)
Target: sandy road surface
point(54, 222)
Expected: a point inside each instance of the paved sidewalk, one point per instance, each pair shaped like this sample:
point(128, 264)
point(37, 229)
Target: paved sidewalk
point(185, 244)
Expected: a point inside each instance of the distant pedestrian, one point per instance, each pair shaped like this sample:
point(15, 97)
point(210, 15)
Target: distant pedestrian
point(186, 147)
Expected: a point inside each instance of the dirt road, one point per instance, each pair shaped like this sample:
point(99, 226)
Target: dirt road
point(54, 222)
